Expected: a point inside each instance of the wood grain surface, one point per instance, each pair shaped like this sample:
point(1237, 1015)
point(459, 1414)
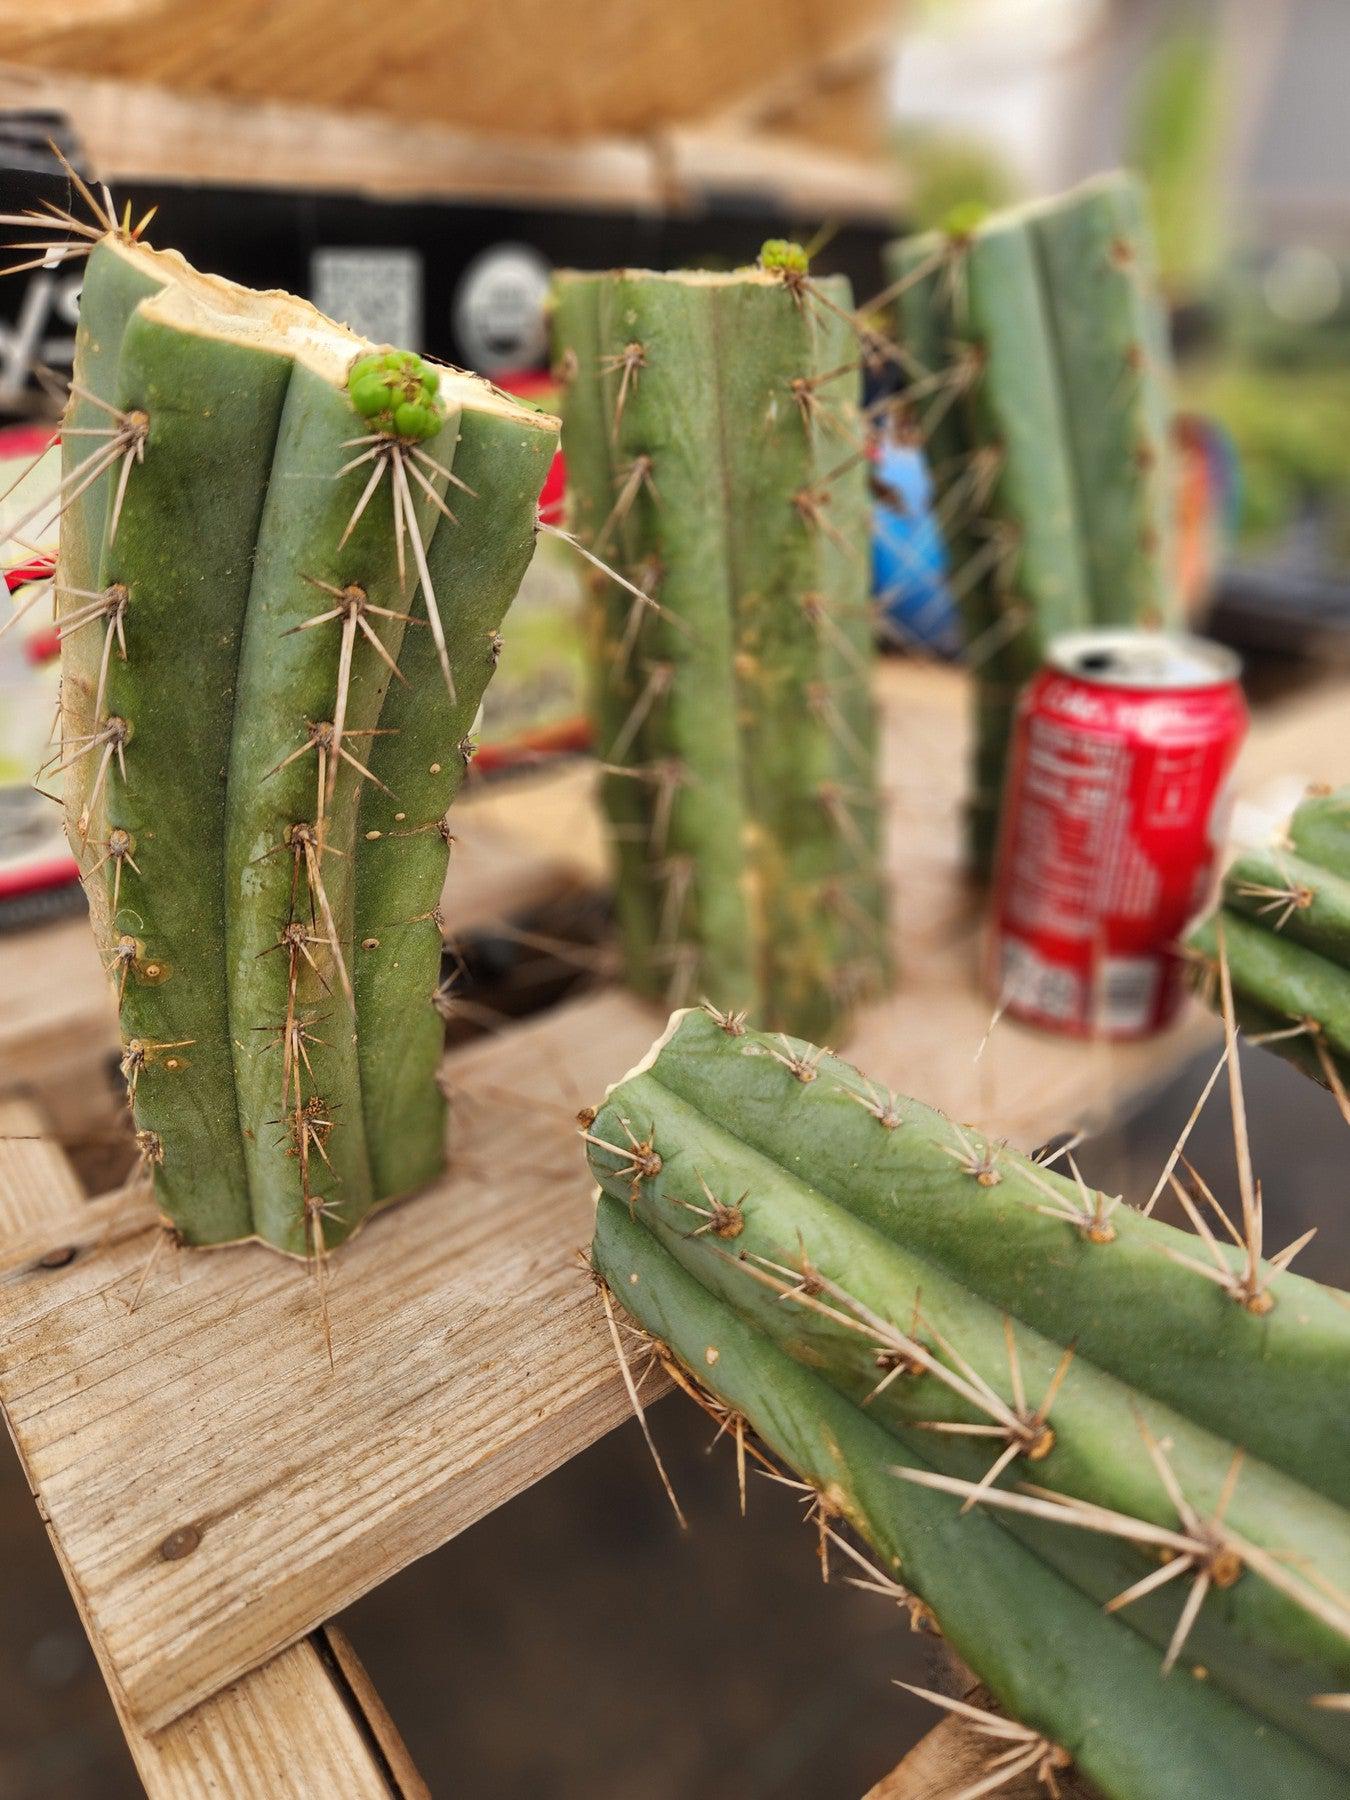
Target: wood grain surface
point(308, 1722)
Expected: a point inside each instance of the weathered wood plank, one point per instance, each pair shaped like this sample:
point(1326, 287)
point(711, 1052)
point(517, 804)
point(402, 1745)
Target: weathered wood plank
point(37, 1183)
point(308, 1722)
point(133, 131)
point(468, 1361)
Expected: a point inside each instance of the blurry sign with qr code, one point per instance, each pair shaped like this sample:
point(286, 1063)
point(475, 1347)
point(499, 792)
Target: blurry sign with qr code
point(378, 293)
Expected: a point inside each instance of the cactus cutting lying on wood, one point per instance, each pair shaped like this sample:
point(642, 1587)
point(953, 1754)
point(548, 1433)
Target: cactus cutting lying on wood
point(1036, 347)
point(276, 630)
point(1284, 916)
point(715, 452)
point(1103, 1452)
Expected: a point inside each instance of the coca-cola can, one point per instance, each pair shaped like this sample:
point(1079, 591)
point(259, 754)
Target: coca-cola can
point(1113, 816)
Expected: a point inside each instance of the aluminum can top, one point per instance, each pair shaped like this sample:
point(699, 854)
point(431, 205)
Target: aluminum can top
point(1147, 661)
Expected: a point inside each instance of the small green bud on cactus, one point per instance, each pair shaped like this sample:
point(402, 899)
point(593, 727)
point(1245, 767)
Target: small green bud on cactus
point(965, 218)
point(1098, 1449)
point(396, 391)
point(783, 255)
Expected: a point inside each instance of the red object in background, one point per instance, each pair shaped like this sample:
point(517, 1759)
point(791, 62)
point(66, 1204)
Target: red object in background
point(34, 862)
point(37, 568)
point(541, 746)
point(541, 390)
point(44, 645)
point(25, 443)
point(1111, 820)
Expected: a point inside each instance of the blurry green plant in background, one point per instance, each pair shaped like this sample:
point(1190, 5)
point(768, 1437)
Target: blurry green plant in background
point(1176, 142)
point(949, 172)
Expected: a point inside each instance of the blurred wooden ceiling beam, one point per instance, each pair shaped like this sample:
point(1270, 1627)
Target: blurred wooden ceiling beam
point(132, 131)
point(625, 67)
point(840, 101)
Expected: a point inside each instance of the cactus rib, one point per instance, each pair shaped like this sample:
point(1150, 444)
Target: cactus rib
point(403, 838)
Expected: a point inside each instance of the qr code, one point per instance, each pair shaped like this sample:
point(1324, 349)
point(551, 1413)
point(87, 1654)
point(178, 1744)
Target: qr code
point(1126, 992)
point(378, 293)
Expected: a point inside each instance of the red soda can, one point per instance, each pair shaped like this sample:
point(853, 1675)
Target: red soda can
point(1112, 820)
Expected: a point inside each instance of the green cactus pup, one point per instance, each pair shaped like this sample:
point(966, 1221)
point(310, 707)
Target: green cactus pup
point(276, 629)
point(1282, 925)
point(715, 454)
point(1104, 1454)
point(1035, 340)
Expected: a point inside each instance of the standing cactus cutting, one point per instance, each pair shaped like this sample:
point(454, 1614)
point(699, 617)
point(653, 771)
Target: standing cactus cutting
point(275, 636)
point(716, 453)
point(1035, 342)
point(1107, 1456)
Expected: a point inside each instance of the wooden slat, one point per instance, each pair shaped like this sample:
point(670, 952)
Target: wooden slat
point(468, 1361)
point(347, 1671)
point(308, 1722)
point(37, 1183)
point(131, 131)
point(135, 132)
point(58, 1028)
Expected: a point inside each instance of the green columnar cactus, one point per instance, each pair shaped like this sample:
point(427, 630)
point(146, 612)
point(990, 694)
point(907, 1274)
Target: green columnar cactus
point(1109, 336)
point(715, 455)
point(1036, 346)
point(1284, 916)
point(276, 630)
point(1111, 1478)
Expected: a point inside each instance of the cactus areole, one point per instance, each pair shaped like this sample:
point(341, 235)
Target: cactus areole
point(285, 555)
point(1108, 1456)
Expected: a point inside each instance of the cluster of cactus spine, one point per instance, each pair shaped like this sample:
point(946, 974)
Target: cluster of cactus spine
point(1100, 1450)
point(716, 455)
point(1282, 926)
point(1035, 345)
point(276, 631)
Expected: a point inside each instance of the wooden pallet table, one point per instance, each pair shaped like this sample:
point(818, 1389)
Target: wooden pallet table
point(244, 1741)
point(216, 1491)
